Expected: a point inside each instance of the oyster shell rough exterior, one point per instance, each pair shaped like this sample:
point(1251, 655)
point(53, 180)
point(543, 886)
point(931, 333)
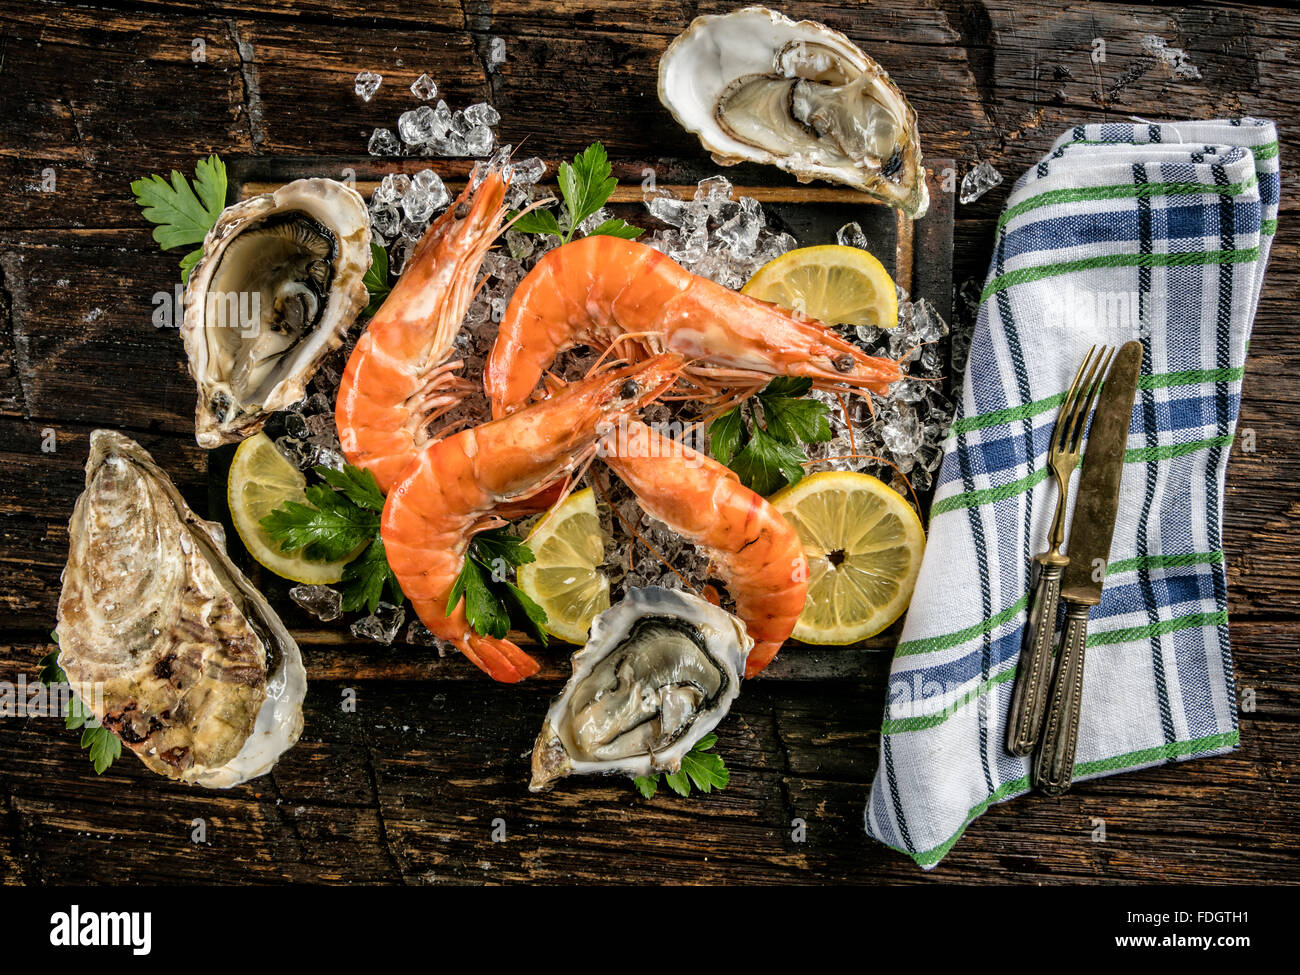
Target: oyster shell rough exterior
point(756, 86)
point(190, 666)
point(658, 673)
point(280, 283)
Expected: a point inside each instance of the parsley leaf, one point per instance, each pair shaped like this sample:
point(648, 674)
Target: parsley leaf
point(702, 768)
point(489, 594)
point(586, 184)
point(188, 262)
point(787, 386)
point(104, 746)
point(183, 212)
point(357, 484)
point(724, 435)
point(365, 578)
point(530, 615)
point(51, 673)
point(616, 228)
point(500, 544)
point(766, 464)
point(793, 419)
point(484, 608)
point(326, 529)
point(770, 455)
point(538, 222)
point(376, 278)
point(341, 517)
point(706, 769)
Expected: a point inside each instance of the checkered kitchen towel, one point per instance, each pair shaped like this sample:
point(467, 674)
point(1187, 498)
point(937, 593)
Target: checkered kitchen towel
point(1157, 232)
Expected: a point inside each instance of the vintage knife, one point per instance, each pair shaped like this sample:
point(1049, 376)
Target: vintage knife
point(1089, 551)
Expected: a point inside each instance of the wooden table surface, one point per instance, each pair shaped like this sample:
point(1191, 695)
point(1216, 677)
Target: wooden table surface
point(409, 788)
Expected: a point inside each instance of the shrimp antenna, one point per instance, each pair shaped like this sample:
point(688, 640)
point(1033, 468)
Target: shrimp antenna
point(848, 421)
point(888, 463)
point(610, 348)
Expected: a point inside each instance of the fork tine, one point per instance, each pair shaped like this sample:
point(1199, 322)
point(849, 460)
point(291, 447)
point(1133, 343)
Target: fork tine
point(1072, 421)
point(1081, 424)
point(1060, 433)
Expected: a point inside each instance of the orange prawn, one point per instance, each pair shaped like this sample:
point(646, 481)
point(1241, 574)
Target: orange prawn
point(752, 546)
point(599, 291)
point(470, 481)
point(402, 375)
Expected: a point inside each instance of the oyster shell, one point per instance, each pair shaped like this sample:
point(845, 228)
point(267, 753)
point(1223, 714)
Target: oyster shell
point(279, 284)
point(756, 86)
point(189, 665)
point(658, 673)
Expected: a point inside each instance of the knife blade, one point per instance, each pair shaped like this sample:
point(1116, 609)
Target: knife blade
point(1089, 553)
point(1103, 463)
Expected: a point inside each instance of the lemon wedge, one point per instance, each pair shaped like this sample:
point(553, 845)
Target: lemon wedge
point(835, 284)
point(261, 480)
point(565, 578)
point(864, 545)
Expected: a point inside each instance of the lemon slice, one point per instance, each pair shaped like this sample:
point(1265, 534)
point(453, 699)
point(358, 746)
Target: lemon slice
point(835, 284)
point(864, 546)
point(565, 579)
point(261, 480)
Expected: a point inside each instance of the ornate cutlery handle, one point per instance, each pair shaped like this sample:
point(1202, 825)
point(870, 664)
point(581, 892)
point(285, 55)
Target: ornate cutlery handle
point(1054, 767)
point(1029, 698)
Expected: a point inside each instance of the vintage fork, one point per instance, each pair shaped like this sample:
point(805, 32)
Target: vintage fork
point(1029, 698)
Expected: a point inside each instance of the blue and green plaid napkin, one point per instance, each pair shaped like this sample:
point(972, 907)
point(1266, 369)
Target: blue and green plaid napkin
point(1152, 231)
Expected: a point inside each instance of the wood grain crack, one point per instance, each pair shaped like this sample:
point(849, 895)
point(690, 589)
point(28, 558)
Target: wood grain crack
point(380, 824)
point(971, 23)
point(252, 101)
point(14, 369)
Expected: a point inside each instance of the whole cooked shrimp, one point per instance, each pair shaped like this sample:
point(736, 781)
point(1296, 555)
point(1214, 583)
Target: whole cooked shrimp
point(401, 375)
point(600, 290)
point(465, 482)
point(752, 548)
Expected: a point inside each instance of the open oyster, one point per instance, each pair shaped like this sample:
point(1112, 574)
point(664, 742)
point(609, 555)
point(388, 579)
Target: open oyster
point(756, 86)
point(165, 639)
point(279, 284)
point(659, 672)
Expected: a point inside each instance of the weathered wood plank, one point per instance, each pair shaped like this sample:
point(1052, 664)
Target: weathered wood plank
point(407, 788)
point(415, 777)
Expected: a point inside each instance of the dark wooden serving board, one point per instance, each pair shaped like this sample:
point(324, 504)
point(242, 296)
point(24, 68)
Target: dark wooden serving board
point(917, 253)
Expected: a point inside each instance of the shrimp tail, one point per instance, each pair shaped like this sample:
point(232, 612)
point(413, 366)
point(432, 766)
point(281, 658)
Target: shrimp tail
point(760, 657)
point(500, 659)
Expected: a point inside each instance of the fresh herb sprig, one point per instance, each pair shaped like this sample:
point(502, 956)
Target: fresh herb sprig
point(104, 746)
point(341, 516)
point(184, 212)
point(700, 766)
point(586, 185)
point(491, 599)
point(768, 453)
point(376, 279)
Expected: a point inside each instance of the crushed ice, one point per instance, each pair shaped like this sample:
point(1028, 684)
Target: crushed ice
point(978, 180)
point(366, 84)
point(432, 129)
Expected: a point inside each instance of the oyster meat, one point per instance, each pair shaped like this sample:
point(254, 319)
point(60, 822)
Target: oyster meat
point(659, 672)
point(756, 86)
point(279, 284)
point(164, 638)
